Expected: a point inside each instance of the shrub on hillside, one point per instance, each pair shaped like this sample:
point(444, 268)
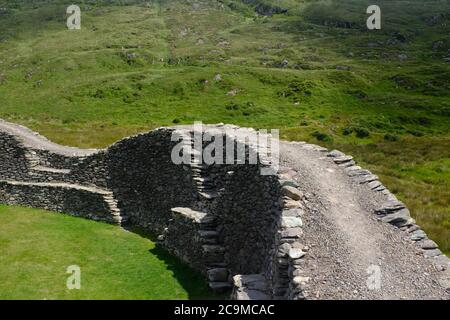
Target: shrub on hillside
point(321, 136)
point(361, 132)
point(390, 137)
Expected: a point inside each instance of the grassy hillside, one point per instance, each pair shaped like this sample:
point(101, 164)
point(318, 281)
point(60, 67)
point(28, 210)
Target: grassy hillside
point(37, 247)
point(309, 68)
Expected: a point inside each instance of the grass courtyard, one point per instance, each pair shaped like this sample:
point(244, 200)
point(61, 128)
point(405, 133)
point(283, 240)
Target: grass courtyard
point(37, 246)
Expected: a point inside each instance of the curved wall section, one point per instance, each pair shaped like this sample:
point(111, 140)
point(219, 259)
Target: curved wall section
point(222, 219)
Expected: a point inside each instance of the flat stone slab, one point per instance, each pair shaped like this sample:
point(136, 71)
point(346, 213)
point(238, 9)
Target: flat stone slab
point(335, 154)
point(197, 216)
point(292, 192)
point(390, 206)
point(342, 159)
point(250, 281)
point(291, 222)
point(418, 235)
point(247, 294)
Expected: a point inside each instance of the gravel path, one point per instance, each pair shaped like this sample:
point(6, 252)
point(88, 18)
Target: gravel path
point(347, 244)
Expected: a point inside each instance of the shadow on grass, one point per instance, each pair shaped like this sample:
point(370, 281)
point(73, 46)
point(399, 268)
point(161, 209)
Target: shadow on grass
point(191, 280)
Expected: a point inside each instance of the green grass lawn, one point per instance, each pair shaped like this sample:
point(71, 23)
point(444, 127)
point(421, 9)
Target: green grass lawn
point(136, 65)
point(37, 246)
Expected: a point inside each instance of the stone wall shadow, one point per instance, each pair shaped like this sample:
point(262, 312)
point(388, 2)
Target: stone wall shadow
point(191, 280)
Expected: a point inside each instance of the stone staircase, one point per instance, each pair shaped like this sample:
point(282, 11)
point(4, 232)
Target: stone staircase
point(211, 253)
point(56, 174)
point(218, 275)
point(106, 197)
point(112, 203)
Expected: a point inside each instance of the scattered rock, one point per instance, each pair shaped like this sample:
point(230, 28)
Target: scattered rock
point(233, 92)
point(402, 57)
point(437, 45)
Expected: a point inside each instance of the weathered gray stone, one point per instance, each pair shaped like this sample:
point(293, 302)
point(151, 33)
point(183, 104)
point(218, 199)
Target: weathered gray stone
point(291, 232)
point(291, 222)
point(399, 218)
point(295, 253)
point(217, 275)
point(293, 213)
point(291, 204)
point(250, 281)
point(390, 207)
point(418, 235)
point(300, 280)
point(374, 184)
point(335, 154)
point(289, 183)
point(342, 159)
point(292, 193)
point(427, 244)
point(249, 294)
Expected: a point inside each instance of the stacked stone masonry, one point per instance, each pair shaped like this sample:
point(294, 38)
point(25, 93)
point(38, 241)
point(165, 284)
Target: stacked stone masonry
point(240, 228)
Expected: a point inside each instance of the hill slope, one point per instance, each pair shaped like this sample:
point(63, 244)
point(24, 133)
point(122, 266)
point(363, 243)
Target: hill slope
point(310, 68)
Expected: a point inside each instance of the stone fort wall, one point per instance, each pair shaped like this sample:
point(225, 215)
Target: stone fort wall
point(224, 220)
point(241, 229)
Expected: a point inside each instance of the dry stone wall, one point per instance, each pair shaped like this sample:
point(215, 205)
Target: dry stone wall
point(240, 228)
point(221, 219)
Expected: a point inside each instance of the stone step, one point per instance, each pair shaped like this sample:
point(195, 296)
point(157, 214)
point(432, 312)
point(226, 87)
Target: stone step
point(250, 287)
point(218, 274)
point(208, 234)
point(104, 193)
point(208, 195)
point(50, 170)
